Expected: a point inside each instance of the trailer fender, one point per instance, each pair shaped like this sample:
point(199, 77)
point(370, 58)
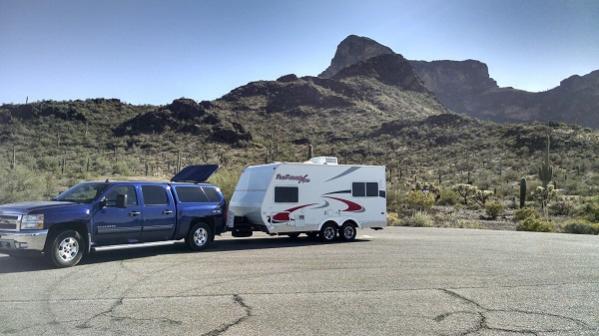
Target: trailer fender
point(353, 221)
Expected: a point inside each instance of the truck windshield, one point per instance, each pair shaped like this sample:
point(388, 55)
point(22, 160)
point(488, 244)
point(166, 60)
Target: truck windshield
point(82, 192)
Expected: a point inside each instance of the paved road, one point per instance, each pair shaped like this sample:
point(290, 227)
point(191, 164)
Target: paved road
point(401, 281)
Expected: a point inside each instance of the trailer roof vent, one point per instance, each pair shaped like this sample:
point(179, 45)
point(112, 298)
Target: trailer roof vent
point(323, 160)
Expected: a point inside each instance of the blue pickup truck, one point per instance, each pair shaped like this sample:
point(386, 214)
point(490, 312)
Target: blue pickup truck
point(93, 214)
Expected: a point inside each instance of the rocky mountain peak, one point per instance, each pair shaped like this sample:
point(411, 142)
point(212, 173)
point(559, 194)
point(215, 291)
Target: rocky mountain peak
point(390, 69)
point(351, 50)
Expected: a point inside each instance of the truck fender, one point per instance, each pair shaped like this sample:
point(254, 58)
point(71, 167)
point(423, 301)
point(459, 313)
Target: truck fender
point(82, 226)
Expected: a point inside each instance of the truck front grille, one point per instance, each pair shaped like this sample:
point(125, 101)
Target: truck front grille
point(9, 222)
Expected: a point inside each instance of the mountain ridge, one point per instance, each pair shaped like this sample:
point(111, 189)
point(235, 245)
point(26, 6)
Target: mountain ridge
point(466, 87)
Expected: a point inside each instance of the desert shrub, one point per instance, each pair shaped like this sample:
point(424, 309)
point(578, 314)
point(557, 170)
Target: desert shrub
point(448, 197)
point(465, 191)
point(536, 224)
point(591, 210)
point(418, 219)
point(226, 180)
point(581, 227)
point(493, 209)
point(393, 219)
point(420, 200)
point(21, 184)
point(524, 213)
point(561, 208)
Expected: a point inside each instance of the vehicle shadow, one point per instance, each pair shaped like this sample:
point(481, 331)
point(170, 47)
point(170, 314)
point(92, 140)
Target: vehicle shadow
point(32, 264)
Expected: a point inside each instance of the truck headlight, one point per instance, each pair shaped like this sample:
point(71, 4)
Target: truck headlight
point(32, 222)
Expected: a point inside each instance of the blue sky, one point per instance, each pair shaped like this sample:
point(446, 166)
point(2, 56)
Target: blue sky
point(155, 51)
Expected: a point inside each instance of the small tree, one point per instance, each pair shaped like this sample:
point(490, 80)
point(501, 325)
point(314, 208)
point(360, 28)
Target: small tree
point(466, 191)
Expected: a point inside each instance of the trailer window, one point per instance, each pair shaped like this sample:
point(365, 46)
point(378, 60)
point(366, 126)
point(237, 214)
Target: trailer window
point(286, 194)
point(372, 189)
point(358, 189)
point(191, 195)
point(365, 189)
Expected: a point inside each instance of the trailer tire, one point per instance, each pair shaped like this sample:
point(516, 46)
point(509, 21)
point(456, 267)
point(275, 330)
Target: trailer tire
point(199, 237)
point(65, 248)
point(348, 231)
point(328, 232)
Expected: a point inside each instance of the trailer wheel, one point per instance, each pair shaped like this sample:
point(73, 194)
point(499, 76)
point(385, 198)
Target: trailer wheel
point(348, 231)
point(328, 232)
point(199, 237)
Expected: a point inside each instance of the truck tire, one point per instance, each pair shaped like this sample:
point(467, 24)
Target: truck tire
point(348, 231)
point(65, 249)
point(199, 237)
point(328, 232)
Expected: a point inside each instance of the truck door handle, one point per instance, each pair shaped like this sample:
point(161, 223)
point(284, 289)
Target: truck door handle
point(134, 213)
point(167, 212)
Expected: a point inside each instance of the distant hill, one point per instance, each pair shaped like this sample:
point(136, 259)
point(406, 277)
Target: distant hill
point(466, 87)
point(370, 106)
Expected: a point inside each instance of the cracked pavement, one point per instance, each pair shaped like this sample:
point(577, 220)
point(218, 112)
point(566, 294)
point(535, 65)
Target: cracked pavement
point(399, 281)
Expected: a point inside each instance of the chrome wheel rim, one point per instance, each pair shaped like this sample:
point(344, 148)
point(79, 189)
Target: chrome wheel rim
point(68, 249)
point(329, 233)
point(200, 236)
point(348, 232)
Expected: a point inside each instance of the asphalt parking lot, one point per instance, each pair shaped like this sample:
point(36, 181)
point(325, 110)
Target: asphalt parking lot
point(399, 281)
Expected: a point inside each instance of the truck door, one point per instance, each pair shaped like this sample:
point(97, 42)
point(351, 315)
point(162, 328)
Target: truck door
point(118, 225)
point(160, 213)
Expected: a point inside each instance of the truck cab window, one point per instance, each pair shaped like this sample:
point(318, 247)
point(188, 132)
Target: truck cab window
point(117, 190)
point(191, 195)
point(212, 194)
point(154, 195)
point(286, 194)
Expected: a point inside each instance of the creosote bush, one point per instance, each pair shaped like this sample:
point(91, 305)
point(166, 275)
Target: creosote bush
point(535, 223)
point(418, 219)
point(581, 227)
point(420, 200)
point(494, 209)
point(448, 197)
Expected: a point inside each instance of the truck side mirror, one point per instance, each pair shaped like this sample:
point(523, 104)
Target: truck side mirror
point(103, 203)
point(121, 201)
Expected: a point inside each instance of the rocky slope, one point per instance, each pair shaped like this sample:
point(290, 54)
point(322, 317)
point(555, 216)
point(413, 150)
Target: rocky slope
point(466, 87)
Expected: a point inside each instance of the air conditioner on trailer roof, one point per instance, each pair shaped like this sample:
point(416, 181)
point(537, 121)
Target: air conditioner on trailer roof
point(323, 160)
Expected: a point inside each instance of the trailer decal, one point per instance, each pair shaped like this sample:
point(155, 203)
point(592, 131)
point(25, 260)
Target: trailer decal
point(325, 205)
point(348, 171)
point(339, 192)
point(351, 206)
point(283, 216)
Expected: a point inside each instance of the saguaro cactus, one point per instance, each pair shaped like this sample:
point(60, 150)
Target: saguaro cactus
point(546, 171)
point(522, 192)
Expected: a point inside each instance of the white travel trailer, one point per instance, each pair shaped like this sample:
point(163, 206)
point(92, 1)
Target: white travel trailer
point(317, 197)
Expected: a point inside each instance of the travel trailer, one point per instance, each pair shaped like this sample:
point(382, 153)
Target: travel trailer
point(319, 198)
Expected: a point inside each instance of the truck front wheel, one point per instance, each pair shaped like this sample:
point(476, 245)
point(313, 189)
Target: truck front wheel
point(66, 249)
point(199, 237)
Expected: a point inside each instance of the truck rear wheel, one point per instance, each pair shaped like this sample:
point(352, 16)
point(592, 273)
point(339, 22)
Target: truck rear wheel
point(328, 232)
point(66, 249)
point(199, 237)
